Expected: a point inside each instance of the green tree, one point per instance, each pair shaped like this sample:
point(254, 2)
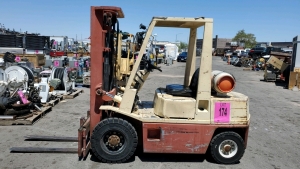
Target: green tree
point(182, 45)
point(248, 38)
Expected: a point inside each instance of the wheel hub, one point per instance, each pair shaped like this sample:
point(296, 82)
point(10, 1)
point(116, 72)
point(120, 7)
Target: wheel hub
point(113, 140)
point(227, 148)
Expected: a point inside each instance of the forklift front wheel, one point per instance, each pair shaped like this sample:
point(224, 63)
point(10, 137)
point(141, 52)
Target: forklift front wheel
point(114, 140)
point(227, 148)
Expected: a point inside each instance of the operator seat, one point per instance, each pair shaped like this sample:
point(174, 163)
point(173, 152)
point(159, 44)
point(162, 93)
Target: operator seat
point(180, 90)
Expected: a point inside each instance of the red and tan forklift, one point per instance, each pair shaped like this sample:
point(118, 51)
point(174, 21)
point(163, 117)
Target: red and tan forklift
point(202, 115)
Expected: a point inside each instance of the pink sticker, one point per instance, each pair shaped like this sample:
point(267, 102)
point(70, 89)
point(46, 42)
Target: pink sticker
point(54, 43)
point(36, 51)
point(56, 63)
point(18, 59)
point(76, 63)
point(23, 98)
point(222, 112)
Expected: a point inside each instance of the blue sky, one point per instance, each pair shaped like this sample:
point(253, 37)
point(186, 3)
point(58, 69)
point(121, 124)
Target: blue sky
point(268, 20)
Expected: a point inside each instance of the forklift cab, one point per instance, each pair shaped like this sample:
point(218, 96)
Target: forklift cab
point(192, 99)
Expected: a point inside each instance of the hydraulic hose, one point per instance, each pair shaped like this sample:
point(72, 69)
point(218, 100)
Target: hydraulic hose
point(114, 82)
point(106, 66)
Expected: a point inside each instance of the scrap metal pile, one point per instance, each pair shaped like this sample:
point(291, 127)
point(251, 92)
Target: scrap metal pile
point(277, 64)
point(18, 94)
point(24, 89)
point(254, 64)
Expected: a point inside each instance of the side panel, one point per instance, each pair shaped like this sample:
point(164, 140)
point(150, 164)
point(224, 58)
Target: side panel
point(227, 111)
point(181, 138)
point(176, 138)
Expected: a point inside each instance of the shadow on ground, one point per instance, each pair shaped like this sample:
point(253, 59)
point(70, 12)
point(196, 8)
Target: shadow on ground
point(156, 157)
point(163, 157)
point(281, 83)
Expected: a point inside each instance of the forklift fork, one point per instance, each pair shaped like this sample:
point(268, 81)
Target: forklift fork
point(84, 143)
point(82, 139)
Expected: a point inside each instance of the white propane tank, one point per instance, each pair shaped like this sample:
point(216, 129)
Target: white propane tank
point(222, 82)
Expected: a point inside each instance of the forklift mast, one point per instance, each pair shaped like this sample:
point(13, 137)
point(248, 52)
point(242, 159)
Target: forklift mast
point(103, 27)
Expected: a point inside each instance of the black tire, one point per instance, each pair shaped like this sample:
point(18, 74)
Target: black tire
point(237, 143)
point(114, 128)
point(178, 60)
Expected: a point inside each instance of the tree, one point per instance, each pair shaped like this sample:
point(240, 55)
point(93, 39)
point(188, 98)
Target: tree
point(248, 38)
point(182, 45)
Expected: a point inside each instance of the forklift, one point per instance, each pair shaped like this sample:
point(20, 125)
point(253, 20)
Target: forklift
point(202, 115)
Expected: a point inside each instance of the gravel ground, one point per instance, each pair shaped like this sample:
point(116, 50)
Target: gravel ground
point(273, 138)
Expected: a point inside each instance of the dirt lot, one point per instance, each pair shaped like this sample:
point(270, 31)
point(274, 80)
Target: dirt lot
point(273, 138)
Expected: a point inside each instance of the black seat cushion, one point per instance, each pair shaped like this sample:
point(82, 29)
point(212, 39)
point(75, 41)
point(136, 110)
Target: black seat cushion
point(178, 90)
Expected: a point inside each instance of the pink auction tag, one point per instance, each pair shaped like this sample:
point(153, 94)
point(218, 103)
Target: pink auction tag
point(18, 59)
point(56, 63)
point(76, 63)
point(22, 96)
point(222, 112)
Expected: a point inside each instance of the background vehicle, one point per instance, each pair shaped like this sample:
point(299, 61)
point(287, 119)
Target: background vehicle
point(270, 49)
point(238, 52)
point(285, 50)
point(244, 54)
point(182, 57)
point(228, 53)
point(257, 52)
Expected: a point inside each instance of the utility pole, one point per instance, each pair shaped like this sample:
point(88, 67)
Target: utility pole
point(176, 37)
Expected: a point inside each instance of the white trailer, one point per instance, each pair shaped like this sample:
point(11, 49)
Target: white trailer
point(171, 51)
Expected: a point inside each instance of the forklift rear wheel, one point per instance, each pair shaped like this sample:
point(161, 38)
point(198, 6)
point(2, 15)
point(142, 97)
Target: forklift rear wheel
point(227, 148)
point(114, 140)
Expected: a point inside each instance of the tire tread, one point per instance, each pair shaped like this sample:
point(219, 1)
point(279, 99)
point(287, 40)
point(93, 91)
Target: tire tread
point(222, 135)
point(126, 124)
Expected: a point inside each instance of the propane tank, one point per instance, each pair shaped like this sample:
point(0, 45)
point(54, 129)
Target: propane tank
point(222, 82)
